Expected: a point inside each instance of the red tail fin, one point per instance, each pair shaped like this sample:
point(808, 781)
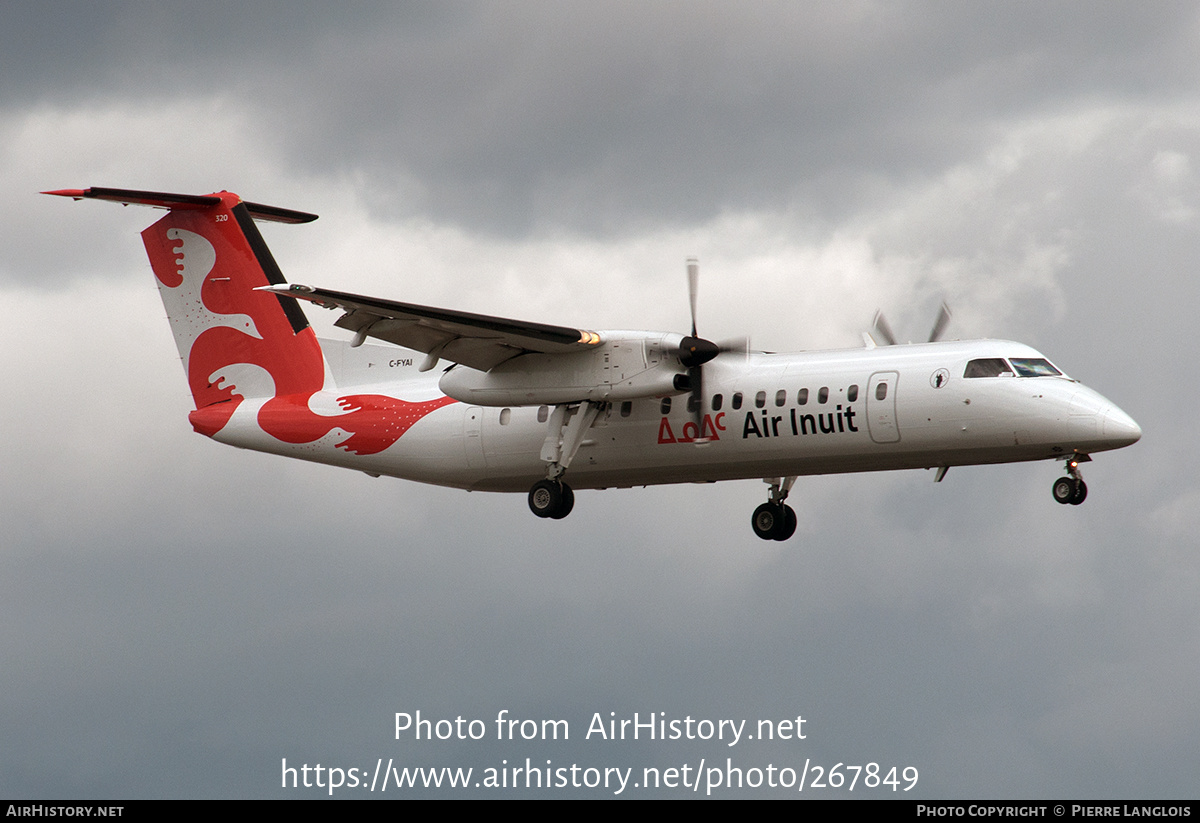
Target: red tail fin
point(234, 341)
point(239, 342)
point(209, 261)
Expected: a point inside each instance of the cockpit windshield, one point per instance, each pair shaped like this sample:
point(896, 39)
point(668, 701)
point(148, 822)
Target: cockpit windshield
point(1034, 367)
point(1021, 367)
point(988, 367)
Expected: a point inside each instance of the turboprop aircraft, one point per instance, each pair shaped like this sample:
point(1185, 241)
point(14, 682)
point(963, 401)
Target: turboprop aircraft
point(523, 407)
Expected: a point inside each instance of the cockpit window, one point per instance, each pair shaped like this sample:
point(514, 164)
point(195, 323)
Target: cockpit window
point(988, 367)
point(1034, 367)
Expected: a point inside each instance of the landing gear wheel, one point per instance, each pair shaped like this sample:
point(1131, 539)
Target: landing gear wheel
point(774, 521)
point(566, 504)
point(551, 498)
point(764, 519)
point(546, 498)
point(1064, 490)
point(1070, 490)
point(1080, 493)
point(788, 526)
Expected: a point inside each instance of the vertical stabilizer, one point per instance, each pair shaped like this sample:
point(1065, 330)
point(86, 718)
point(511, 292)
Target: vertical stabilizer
point(209, 259)
point(241, 343)
point(209, 263)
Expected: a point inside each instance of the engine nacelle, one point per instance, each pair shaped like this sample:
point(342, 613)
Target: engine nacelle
point(626, 366)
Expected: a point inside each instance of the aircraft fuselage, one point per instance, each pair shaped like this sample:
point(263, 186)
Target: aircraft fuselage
point(927, 415)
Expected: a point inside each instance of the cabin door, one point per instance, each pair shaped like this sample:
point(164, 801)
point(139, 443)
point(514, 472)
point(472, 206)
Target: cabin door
point(881, 407)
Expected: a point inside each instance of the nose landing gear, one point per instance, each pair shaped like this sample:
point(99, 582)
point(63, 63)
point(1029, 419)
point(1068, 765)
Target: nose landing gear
point(1071, 489)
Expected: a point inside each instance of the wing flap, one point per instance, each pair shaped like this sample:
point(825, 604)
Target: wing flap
point(479, 341)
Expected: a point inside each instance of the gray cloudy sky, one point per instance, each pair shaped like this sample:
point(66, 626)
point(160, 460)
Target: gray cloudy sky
point(180, 616)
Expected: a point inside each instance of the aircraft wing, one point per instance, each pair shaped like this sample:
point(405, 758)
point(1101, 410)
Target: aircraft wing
point(479, 341)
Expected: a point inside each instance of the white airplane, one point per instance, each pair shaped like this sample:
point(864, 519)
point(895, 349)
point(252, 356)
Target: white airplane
point(522, 406)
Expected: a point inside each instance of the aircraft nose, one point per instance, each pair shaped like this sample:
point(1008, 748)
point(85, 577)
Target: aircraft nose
point(1119, 428)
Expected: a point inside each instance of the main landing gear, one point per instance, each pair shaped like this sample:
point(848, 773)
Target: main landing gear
point(568, 424)
point(775, 520)
point(1071, 489)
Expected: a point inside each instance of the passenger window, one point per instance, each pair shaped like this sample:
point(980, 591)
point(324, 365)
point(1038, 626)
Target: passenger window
point(780, 397)
point(505, 416)
point(760, 399)
point(666, 405)
point(737, 400)
point(852, 393)
point(987, 367)
point(626, 408)
point(717, 402)
point(802, 397)
point(881, 391)
point(543, 414)
point(693, 403)
point(823, 394)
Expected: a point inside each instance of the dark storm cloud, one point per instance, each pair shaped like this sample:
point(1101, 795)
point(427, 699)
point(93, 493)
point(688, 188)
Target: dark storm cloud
point(601, 117)
point(595, 118)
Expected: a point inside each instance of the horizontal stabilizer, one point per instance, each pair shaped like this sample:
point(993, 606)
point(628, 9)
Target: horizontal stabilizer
point(167, 200)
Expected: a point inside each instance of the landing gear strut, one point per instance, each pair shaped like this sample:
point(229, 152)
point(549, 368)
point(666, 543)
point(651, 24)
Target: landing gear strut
point(568, 424)
point(1071, 489)
point(774, 520)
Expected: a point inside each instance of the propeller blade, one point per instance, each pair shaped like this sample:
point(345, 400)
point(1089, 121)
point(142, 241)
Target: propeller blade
point(734, 345)
point(939, 325)
point(694, 352)
point(693, 275)
point(696, 400)
point(883, 330)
